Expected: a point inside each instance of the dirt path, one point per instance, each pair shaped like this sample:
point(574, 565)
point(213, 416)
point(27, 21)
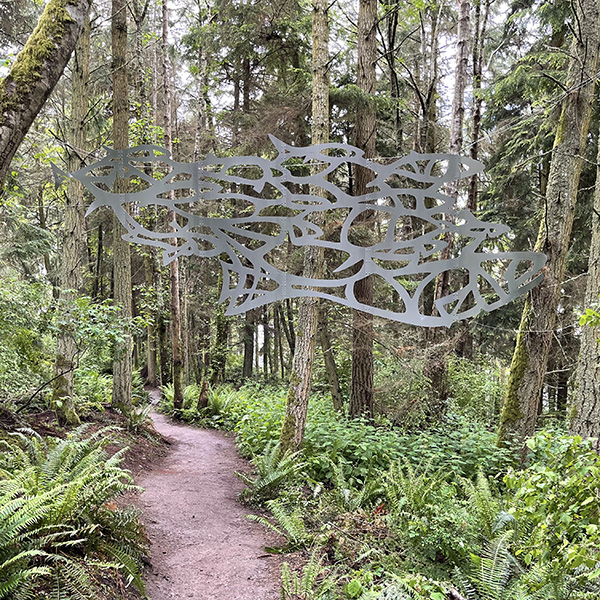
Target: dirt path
point(203, 547)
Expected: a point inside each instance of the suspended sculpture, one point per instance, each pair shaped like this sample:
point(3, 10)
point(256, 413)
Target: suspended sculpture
point(256, 215)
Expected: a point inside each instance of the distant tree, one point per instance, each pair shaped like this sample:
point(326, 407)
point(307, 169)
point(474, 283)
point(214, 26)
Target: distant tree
point(175, 304)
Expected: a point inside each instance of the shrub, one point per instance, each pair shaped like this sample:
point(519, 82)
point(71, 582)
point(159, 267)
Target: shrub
point(556, 499)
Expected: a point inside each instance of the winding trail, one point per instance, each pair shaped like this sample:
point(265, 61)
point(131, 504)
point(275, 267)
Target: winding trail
point(203, 547)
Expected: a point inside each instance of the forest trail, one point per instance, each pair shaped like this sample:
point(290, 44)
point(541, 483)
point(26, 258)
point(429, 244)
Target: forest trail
point(203, 547)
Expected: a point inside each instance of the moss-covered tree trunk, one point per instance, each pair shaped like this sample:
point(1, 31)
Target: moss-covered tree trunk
point(585, 420)
point(292, 431)
point(122, 363)
point(73, 233)
point(36, 71)
point(361, 393)
point(520, 408)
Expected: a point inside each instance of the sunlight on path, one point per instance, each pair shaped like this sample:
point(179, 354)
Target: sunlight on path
point(203, 547)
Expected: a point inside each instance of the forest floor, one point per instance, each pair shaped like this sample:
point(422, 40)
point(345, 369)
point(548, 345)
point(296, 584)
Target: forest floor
point(202, 545)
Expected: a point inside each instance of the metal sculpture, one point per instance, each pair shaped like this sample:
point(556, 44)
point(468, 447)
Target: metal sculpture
point(301, 198)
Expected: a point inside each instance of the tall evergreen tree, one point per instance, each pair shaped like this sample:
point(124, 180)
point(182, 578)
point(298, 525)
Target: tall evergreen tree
point(73, 234)
point(292, 431)
point(122, 364)
point(361, 394)
point(520, 407)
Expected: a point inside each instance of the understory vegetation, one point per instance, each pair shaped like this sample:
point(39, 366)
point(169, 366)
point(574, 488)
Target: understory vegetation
point(433, 512)
point(62, 534)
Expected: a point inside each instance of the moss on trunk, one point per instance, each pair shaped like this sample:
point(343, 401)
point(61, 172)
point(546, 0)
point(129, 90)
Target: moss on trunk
point(30, 62)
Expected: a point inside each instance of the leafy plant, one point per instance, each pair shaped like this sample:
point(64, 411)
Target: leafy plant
point(315, 582)
point(557, 495)
point(290, 525)
point(274, 470)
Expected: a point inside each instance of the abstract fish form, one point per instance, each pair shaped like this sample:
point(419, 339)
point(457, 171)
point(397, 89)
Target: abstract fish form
point(271, 206)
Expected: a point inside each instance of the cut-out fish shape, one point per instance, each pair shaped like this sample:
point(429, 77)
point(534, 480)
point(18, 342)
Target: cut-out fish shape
point(251, 211)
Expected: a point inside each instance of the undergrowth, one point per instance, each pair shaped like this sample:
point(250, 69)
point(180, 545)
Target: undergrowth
point(61, 532)
point(432, 513)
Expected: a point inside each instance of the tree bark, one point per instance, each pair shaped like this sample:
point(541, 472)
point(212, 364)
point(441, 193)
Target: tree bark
point(329, 359)
point(36, 71)
point(176, 350)
point(292, 431)
point(361, 394)
point(248, 341)
point(585, 418)
point(73, 234)
point(122, 364)
point(519, 411)
point(436, 366)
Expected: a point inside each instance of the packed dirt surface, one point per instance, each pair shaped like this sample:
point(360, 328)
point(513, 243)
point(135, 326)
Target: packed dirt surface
point(203, 547)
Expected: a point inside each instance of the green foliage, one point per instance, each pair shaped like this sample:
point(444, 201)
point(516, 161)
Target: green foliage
point(59, 525)
point(474, 388)
point(590, 318)
point(274, 471)
point(315, 583)
point(557, 495)
point(425, 512)
point(287, 523)
point(190, 396)
point(24, 359)
point(494, 574)
point(92, 390)
point(359, 447)
point(347, 497)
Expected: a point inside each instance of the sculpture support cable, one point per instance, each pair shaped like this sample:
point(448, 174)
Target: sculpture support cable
point(256, 215)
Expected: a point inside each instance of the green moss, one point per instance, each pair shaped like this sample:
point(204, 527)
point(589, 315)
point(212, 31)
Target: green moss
point(511, 409)
point(39, 48)
point(61, 400)
point(288, 428)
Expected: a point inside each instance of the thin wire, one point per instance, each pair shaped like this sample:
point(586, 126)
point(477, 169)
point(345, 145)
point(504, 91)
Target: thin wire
point(560, 329)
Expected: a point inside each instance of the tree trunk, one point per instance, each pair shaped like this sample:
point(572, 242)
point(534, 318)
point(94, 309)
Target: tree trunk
point(36, 71)
point(436, 367)
point(361, 394)
point(151, 353)
point(267, 341)
point(292, 431)
point(218, 355)
point(122, 365)
point(73, 233)
point(519, 411)
point(329, 359)
point(176, 350)
point(248, 341)
point(585, 418)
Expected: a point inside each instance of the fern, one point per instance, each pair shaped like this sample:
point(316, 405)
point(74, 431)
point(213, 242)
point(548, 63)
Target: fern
point(274, 470)
point(315, 583)
point(55, 499)
point(494, 574)
point(288, 524)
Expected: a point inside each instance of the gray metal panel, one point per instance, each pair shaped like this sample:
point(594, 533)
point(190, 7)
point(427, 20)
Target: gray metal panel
point(407, 190)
